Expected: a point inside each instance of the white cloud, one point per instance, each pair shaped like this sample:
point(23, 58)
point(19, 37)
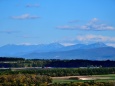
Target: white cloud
point(94, 20)
point(90, 38)
point(25, 16)
point(95, 38)
point(93, 24)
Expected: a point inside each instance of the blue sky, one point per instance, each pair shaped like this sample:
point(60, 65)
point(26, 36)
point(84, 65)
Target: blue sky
point(62, 21)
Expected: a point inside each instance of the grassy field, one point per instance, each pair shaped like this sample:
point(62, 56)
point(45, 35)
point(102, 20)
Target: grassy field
point(96, 78)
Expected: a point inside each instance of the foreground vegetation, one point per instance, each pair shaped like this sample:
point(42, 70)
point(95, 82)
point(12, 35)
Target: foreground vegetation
point(43, 80)
point(22, 72)
point(24, 80)
point(44, 77)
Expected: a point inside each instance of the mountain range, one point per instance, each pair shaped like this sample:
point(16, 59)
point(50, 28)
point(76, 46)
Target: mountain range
point(95, 51)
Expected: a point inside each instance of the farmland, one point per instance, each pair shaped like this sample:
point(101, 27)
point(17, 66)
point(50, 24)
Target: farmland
point(96, 78)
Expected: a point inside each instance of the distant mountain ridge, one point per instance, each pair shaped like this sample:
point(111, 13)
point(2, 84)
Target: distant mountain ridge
point(84, 46)
point(57, 51)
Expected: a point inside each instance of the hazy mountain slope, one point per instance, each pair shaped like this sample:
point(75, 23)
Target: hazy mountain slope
point(18, 50)
point(95, 53)
point(83, 46)
point(58, 51)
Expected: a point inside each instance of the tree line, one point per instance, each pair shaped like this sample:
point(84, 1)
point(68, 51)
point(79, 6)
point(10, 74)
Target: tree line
point(21, 62)
point(11, 59)
point(56, 72)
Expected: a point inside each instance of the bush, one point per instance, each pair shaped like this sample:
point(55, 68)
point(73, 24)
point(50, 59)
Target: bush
point(74, 78)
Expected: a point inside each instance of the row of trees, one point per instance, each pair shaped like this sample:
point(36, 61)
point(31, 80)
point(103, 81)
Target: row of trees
point(62, 71)
point(21, 62)
point(11, 59)
point(80, 63)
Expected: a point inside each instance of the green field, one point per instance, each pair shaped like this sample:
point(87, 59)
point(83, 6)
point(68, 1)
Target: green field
point(95, 78)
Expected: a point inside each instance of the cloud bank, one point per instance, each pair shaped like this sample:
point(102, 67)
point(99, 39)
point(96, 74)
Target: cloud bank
point(93, 24)
point(90, 38)
point(95, 38)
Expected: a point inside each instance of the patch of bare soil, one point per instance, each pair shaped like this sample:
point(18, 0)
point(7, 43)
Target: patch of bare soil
point(93, 78)
point(81, 77)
